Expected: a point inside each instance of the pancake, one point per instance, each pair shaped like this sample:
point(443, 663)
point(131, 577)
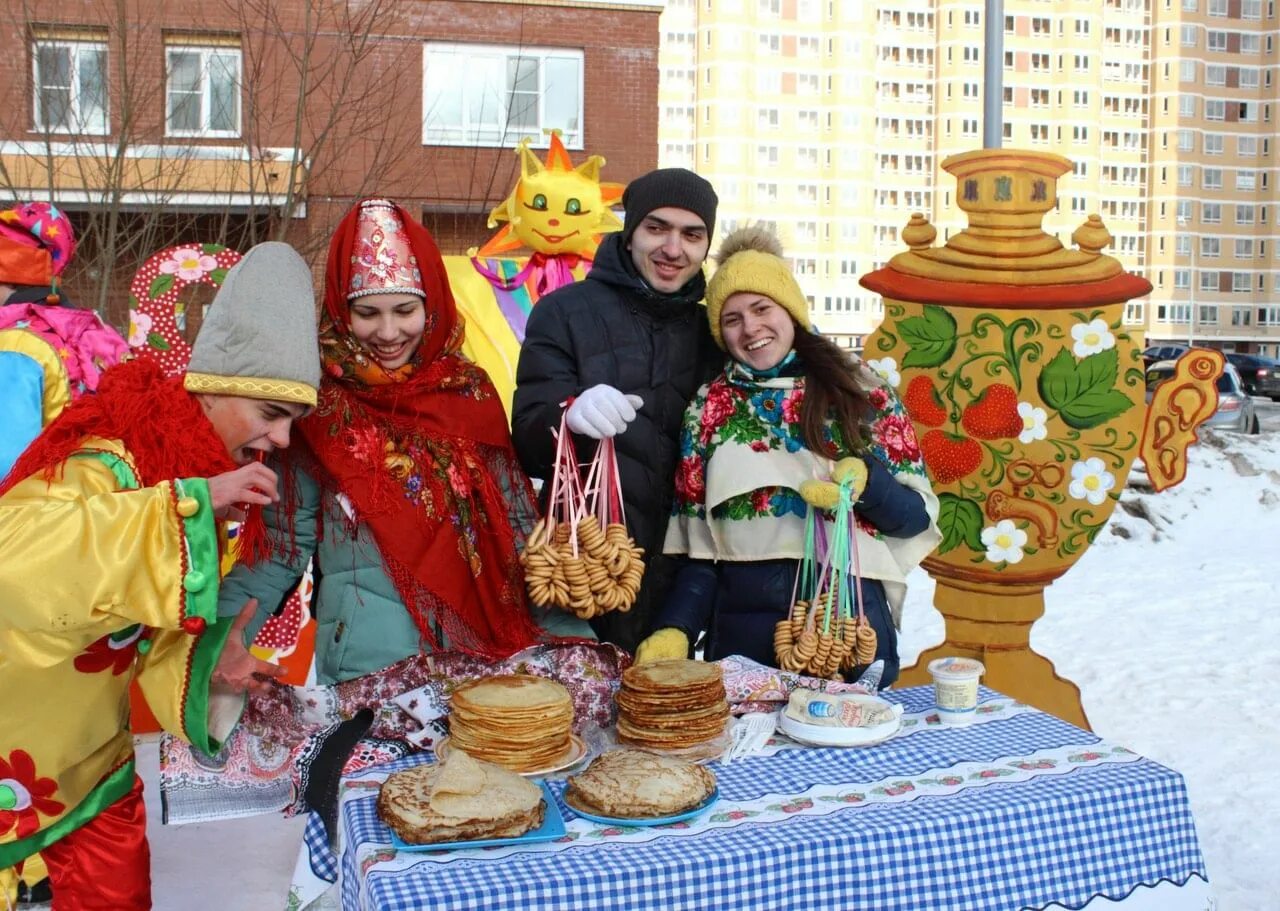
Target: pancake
point(518, 721)
point(672, 705)
point(631, 784)
point(460, 799)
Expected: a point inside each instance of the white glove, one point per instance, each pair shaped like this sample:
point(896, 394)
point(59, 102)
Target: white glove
point(602, 411)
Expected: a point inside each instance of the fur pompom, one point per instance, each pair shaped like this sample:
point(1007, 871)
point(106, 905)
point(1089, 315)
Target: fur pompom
point(751, 237)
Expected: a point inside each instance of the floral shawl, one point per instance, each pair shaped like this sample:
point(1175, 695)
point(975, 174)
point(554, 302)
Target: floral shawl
point(743, 458)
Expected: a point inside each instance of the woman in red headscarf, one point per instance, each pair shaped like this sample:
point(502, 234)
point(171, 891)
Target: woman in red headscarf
point(404, 487)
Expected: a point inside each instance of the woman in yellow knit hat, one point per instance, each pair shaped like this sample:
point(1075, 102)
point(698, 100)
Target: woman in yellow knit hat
point(788, 404)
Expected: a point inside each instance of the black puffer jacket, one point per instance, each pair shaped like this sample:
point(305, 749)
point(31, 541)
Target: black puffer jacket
point(612, 328)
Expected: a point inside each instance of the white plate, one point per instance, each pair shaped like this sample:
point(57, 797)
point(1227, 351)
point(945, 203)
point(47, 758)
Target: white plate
point(577, 751)
point(828, 736)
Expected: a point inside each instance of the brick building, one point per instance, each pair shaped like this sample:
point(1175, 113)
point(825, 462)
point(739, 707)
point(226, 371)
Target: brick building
point(241, 121)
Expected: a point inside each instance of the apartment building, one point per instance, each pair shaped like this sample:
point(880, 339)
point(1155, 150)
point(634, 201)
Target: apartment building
point(830, 119)
point(152, 123)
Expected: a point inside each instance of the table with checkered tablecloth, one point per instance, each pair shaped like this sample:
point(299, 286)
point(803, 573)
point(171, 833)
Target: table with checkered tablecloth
point(1017, 810)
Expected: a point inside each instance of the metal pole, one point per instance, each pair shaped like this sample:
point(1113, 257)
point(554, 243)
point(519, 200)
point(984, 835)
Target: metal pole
point(1191, 330)
point(1184, 223)
point(993, 76)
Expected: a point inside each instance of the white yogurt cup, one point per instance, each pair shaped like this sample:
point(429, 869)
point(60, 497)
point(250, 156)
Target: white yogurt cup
point(955, 688)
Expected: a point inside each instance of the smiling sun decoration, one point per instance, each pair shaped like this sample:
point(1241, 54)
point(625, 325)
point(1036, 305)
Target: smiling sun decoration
point(555, 208)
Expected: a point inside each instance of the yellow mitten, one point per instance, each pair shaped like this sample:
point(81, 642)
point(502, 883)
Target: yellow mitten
point(826, 494)
point(665, 643)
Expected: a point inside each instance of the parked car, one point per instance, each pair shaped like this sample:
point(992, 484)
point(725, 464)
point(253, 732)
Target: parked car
point(1155, 353)
point(1235, 406)
point(1260, 375)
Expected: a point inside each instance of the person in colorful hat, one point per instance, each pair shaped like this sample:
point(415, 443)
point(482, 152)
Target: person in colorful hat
point(110, 522)
point(50, 352)
point(404, 487)
point(788, 405)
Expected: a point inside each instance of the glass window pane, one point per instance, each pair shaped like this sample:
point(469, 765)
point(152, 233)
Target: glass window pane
point(522, 81)
point(93, 88)
point(224, 92)
point(444, 96)
point(54, 64)
point(561, 101)
point(184, 71)
point(484, 104)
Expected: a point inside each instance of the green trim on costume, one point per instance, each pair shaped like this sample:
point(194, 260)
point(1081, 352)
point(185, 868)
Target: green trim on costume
point(195, 698)
point(107, 792)
point(201, 532)
point(122, 470)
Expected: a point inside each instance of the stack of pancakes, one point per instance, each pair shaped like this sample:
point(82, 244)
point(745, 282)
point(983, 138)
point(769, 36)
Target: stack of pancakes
point(671, 705)
point(460, 799)
point(520, 722)
point(631, 784)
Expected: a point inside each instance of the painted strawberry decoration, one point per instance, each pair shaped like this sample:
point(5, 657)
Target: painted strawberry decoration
point(950, 457)
point(923, 402)
point(993, 415)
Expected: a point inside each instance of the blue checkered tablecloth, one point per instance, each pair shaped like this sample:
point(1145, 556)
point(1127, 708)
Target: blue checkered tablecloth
point(1019, 810)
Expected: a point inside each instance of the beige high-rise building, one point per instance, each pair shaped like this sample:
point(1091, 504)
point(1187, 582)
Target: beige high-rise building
point(831, 118)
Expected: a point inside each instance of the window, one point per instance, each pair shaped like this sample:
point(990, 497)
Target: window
point(1186, 140)
point(1215, 74)
point(1186, 175)
point(1208, 281)
point(1210, 212)
point(1214, 143)
point(1240, 282)
point(1183, 212)
point(70, 82)
point(1186, 105)
point(1244, 248)
point(1217, 7)
point(1247, 146)
point(1211, 178)
point(1187, 71)
point(1215, 109)
point(1246, 180)
point(1183, 245)
point(1249, 44)
point(1248, 77)
point(1244, 214)
point(1210, 246)
point(202, 91)
point(1188, 36)
point(1182, 278)
point(1215, 40)
point(497, 95)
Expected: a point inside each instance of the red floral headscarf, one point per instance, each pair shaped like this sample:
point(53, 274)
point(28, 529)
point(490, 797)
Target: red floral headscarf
point(423, 454)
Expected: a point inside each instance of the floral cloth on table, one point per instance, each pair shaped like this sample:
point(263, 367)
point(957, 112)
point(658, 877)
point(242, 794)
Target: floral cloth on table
point(267, 762)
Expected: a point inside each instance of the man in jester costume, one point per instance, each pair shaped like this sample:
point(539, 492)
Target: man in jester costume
point(109, 525)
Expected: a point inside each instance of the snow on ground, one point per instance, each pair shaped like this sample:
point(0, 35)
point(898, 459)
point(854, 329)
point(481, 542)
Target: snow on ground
point(1168, 624)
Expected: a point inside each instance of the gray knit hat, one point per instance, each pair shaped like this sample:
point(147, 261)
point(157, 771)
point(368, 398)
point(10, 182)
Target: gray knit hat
point(259, 339)
point(676, 187)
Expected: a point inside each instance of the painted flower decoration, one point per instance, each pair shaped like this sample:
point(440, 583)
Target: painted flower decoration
point(1091, 481)
point(898, 437)
point(887, 368)
point(1033, 423)
point(139, 325)
point(189, 264)
point(1004, 542)
point(115, 652)
point(24, 796)
point(1091, 337)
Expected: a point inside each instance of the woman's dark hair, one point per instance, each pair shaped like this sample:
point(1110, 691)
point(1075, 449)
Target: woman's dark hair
point(831, 392)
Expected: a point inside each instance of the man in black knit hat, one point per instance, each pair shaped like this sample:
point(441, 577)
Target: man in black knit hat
point(630, 345)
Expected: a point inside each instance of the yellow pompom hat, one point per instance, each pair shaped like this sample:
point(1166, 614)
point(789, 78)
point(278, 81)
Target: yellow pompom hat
point(750, 259)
